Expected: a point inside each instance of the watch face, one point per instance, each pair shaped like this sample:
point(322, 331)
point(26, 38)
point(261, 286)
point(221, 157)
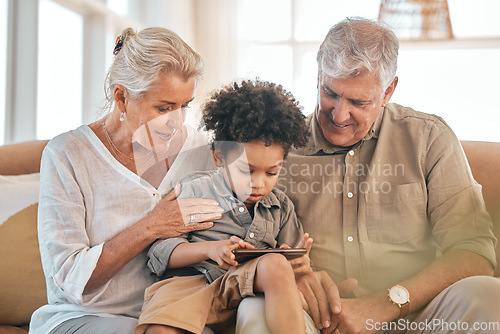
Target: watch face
point(399, 294)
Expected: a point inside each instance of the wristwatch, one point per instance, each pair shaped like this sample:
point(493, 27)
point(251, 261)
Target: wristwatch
point(400, 296)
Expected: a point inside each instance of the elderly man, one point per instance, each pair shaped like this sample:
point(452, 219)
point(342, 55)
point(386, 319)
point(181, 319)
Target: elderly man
point(388, 197)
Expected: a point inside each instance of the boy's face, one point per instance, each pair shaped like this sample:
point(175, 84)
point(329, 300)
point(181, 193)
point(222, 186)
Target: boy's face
point(253, 173)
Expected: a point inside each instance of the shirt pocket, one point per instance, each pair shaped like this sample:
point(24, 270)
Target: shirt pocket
point(397, 215)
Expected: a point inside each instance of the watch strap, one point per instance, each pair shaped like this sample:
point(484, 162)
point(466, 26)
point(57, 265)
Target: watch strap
point(404, 309)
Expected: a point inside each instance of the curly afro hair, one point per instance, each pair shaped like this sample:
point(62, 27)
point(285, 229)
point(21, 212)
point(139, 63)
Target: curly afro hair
point(255, 110)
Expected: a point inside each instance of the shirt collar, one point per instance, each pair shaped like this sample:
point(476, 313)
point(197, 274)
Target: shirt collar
point(223, 189)
point(318, 144)
point(375, 129)
point(270, 200)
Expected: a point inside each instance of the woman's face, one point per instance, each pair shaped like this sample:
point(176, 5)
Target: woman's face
point(155, 119)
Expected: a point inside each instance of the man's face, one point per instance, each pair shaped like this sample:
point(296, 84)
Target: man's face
point(347, 108)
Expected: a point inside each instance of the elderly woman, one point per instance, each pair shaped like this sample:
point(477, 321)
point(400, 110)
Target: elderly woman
point(107, 188)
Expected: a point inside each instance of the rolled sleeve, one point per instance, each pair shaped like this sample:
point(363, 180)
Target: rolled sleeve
point(71, 281)
point(160, 252)
point(461, 224)
point(456, 208)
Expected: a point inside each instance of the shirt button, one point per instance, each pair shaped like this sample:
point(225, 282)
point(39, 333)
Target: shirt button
point(349, 194)
point(156, 195)
point(251, 235)
point(351, 152)
point(241, 209)
point(350, 239)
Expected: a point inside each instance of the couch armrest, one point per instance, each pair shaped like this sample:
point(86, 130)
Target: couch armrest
point(484, 161)
point(22, 158)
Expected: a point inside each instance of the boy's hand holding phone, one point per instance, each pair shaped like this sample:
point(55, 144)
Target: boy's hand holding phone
point(221, 251)
point(302, 265)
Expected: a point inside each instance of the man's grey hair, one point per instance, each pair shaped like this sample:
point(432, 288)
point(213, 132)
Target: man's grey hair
point(356, 45)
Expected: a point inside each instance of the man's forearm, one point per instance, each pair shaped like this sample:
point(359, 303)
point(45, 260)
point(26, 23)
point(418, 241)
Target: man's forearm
point(442, 273)
point(423, 287)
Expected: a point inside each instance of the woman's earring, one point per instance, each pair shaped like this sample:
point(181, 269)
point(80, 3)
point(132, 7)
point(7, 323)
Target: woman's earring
point(122, 116)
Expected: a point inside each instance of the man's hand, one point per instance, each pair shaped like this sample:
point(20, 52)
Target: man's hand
point(321, 296)
point(357, 313)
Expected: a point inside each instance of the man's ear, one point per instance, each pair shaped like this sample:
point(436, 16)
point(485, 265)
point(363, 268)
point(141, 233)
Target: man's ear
point(218, 159)
point(389, 91)
point(119, 96)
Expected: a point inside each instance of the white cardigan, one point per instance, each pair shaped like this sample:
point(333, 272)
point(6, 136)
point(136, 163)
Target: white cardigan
point(87, 197)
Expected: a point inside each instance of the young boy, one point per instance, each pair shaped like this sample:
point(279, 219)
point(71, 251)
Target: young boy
point(254, 125)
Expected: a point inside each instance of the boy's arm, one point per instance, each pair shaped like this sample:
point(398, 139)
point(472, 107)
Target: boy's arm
point(186, 254)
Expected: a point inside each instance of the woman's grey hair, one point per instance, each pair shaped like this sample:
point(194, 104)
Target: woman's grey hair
point(355, 45)
point(141, 57)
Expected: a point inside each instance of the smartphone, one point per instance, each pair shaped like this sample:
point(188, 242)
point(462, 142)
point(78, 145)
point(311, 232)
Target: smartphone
point(242, 255)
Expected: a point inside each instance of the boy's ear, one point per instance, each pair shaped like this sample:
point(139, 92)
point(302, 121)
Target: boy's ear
point(217, 155)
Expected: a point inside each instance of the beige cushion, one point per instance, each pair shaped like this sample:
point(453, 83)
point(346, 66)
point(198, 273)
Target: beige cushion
point(23, 158)
point(17, 192)
point(484, 160)
point(22, 283)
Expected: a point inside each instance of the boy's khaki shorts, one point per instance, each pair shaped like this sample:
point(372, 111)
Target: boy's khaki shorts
point(190, 302)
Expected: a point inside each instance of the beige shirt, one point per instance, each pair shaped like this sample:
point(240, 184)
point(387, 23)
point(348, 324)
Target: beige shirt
point(383, 209)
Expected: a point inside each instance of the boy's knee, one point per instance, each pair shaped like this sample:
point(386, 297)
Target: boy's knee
point(274, 264)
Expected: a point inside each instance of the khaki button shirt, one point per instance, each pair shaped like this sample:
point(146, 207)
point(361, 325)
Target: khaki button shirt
point(383, 209)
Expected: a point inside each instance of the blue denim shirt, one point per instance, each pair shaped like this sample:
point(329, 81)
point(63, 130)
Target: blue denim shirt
point(274, 223)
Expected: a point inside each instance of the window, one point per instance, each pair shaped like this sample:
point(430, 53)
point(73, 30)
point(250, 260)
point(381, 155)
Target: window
point(266, 52)
point(456, 84)
point(278, 41)
point(478, 18)
point(456, 79)
point(313, 19)
point(61, 60)
point(279, 44)
point(3, 65)
point(59, 106)
point(121, 7)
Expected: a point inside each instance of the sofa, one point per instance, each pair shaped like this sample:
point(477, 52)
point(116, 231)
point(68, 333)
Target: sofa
point(22, 284)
